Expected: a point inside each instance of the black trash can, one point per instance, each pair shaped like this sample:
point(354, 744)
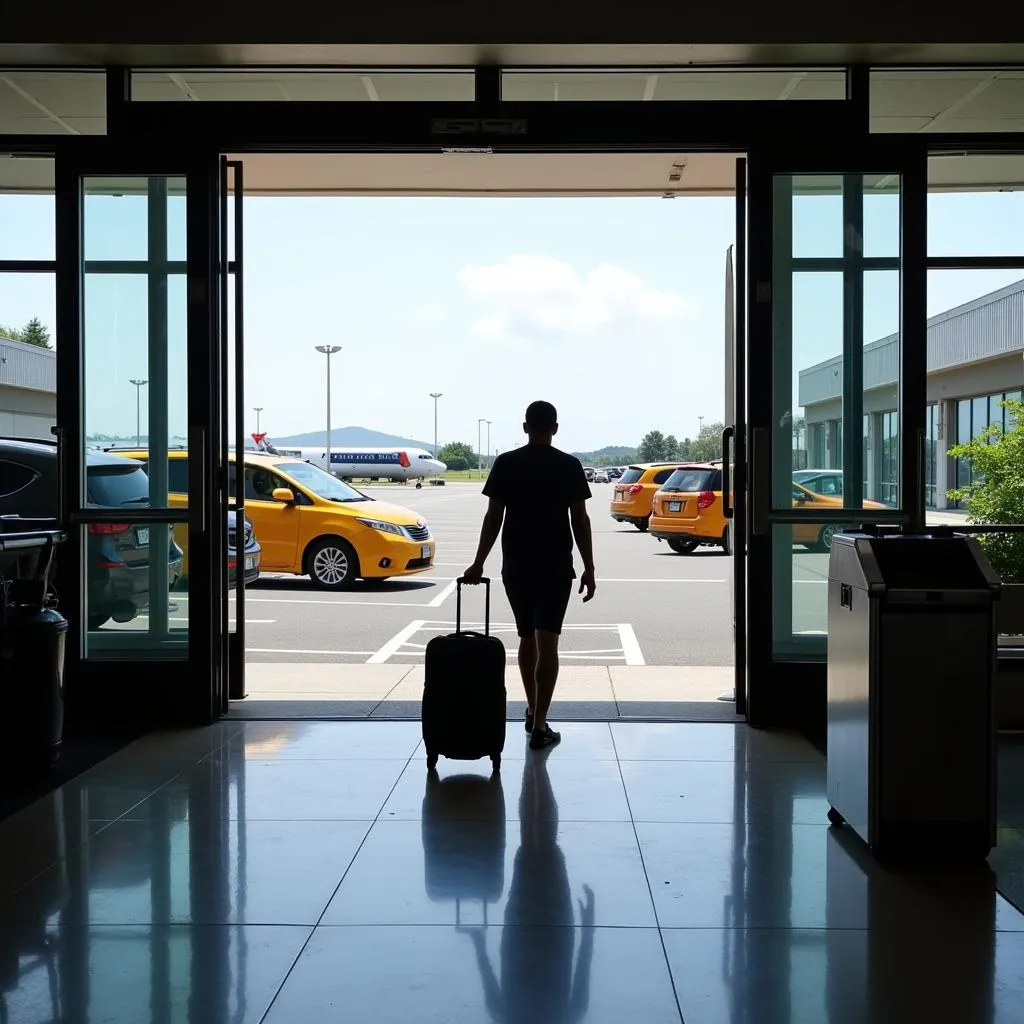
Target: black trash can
point(32, 641)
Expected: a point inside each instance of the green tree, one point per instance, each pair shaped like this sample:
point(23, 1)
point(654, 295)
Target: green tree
point(671, 447)
point(34, 333)
point(996, 493)
point(652, 447)
point(457, 456)
point(708, 443)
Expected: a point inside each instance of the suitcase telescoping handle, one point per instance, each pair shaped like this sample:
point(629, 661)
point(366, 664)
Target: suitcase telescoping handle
point(459, 583)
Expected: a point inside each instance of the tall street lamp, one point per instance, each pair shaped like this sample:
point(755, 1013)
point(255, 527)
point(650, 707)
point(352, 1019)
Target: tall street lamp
point(139, 385)
point(435, 395)
point(488, 443)
point(257, 409)
point(328, 350)
point(479, 426)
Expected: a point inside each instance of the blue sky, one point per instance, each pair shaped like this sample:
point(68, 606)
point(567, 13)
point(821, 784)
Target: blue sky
point(611, 308)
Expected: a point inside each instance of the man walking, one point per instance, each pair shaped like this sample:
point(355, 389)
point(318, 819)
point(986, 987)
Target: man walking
point(540, 495)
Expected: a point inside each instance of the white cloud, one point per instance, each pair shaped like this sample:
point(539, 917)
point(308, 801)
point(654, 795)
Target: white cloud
point(541, 295)
point(429, 314)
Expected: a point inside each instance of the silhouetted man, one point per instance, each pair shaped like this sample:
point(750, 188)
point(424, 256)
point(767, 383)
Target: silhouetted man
point(540, 493)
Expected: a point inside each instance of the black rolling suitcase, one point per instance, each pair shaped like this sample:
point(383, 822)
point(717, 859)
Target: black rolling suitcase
point(464, 691)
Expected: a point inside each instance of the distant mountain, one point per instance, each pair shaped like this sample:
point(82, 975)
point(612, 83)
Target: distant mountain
point(349, 437)
point(612, 451)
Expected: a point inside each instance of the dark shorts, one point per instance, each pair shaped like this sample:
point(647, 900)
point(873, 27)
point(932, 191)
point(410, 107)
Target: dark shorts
point(538, 604)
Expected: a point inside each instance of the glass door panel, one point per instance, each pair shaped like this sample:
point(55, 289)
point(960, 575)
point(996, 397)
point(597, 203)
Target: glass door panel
point(135, 415)
point(829, 443)
point(136, 425)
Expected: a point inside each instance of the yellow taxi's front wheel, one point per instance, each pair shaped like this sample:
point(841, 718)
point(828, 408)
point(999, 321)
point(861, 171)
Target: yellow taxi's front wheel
point(332, 563)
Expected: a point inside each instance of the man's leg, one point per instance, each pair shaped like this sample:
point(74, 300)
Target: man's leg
point(553, 599)
point(528, 672)
point(546, 647)
point(522, 602)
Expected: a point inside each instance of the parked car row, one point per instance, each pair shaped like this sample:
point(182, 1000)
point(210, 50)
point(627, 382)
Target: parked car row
point(604, 475)
point(682, 504)
point(298, 520)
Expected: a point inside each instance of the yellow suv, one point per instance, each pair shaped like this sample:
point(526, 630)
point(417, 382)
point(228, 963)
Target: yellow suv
point(633, 496)
point(688, 509)
point(310, 523)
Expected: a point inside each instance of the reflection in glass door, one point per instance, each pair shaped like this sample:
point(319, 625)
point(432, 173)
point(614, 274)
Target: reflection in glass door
point(829, 442)
point(135, 426)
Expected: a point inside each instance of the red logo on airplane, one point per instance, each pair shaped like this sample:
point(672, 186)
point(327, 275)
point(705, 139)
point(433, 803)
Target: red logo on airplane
point(403, 460)
point(258, 438)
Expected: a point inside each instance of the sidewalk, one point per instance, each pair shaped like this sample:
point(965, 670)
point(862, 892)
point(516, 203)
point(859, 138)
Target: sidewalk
point(317, 689)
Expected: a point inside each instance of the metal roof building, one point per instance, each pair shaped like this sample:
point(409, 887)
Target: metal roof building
point(975, 362)
point(28, 386)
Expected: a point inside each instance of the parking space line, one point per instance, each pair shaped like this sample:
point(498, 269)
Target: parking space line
point(442, 597)
point(392, 646)
point(630, 645)
point(298, 650)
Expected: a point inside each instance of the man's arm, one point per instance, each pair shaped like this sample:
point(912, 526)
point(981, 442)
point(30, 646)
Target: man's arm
point(488, 535)
point(583, 534)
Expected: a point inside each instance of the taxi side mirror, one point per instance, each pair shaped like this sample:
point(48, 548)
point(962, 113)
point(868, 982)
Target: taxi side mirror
point(285, 495)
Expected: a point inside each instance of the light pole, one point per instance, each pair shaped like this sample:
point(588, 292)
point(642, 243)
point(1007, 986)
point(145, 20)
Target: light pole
point(257, 409)
point(700, 425)
point(479, 425)
point(139, 385)
point(328, 350)
point(488, 445)
point(435, 395)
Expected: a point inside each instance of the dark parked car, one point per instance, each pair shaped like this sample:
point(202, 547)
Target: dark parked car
point(251, 552)
point(117, 553)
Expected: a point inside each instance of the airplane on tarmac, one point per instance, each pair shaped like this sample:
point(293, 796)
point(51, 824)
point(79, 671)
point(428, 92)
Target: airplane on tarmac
point(398, 464)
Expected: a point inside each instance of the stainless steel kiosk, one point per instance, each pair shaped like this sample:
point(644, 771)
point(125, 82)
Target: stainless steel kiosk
point(911, 667)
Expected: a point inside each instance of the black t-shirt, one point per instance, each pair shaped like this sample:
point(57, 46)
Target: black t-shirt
point(537, 484)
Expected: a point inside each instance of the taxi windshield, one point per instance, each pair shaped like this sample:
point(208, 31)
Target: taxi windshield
point(320, 483)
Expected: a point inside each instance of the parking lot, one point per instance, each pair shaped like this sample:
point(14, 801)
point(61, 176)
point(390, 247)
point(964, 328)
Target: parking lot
point(653, 607)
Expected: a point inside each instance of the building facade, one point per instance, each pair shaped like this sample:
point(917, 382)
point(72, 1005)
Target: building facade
point(28, 389)
point(975, 364)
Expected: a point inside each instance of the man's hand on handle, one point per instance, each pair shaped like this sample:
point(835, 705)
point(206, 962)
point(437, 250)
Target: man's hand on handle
point(473, 574)
point(589, 584)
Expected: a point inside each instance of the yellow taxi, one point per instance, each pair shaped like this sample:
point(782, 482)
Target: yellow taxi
point(688, 509)
point(310, 523)
point(633, 496)
point(818, 536)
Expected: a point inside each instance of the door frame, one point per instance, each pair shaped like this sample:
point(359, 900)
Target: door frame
point(179, 691)
point(785, 689)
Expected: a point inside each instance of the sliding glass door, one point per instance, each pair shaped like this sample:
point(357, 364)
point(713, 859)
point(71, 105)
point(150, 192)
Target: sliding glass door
point(139, 434)
point(836, 262)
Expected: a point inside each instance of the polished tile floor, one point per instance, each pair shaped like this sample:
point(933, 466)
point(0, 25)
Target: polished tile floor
point(313, 872)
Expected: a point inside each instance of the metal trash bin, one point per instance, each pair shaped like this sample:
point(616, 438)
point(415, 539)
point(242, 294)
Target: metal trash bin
point(911, 669)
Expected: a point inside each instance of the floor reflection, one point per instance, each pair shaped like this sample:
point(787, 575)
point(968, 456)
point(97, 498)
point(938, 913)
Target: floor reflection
point(315, 873)
point(542, 979)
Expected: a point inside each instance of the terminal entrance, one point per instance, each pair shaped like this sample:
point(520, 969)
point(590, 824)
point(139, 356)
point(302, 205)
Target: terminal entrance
point(786, 539)
point(832, 235)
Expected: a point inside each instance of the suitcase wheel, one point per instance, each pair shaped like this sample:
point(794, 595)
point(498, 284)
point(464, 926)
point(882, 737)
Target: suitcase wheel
point(431, 760)
point(496, 762)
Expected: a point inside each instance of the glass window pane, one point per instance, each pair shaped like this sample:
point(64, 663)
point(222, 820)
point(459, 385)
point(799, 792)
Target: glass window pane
point(53, 103)
point(979, 415)
point(28, 362)
point(948, 100)
point(800, 602)
point(976, 206)
point(739, 85)
point(817, 216)
point(119, 598)
point(135, 355)
point(296, 85)
point(26, 208)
